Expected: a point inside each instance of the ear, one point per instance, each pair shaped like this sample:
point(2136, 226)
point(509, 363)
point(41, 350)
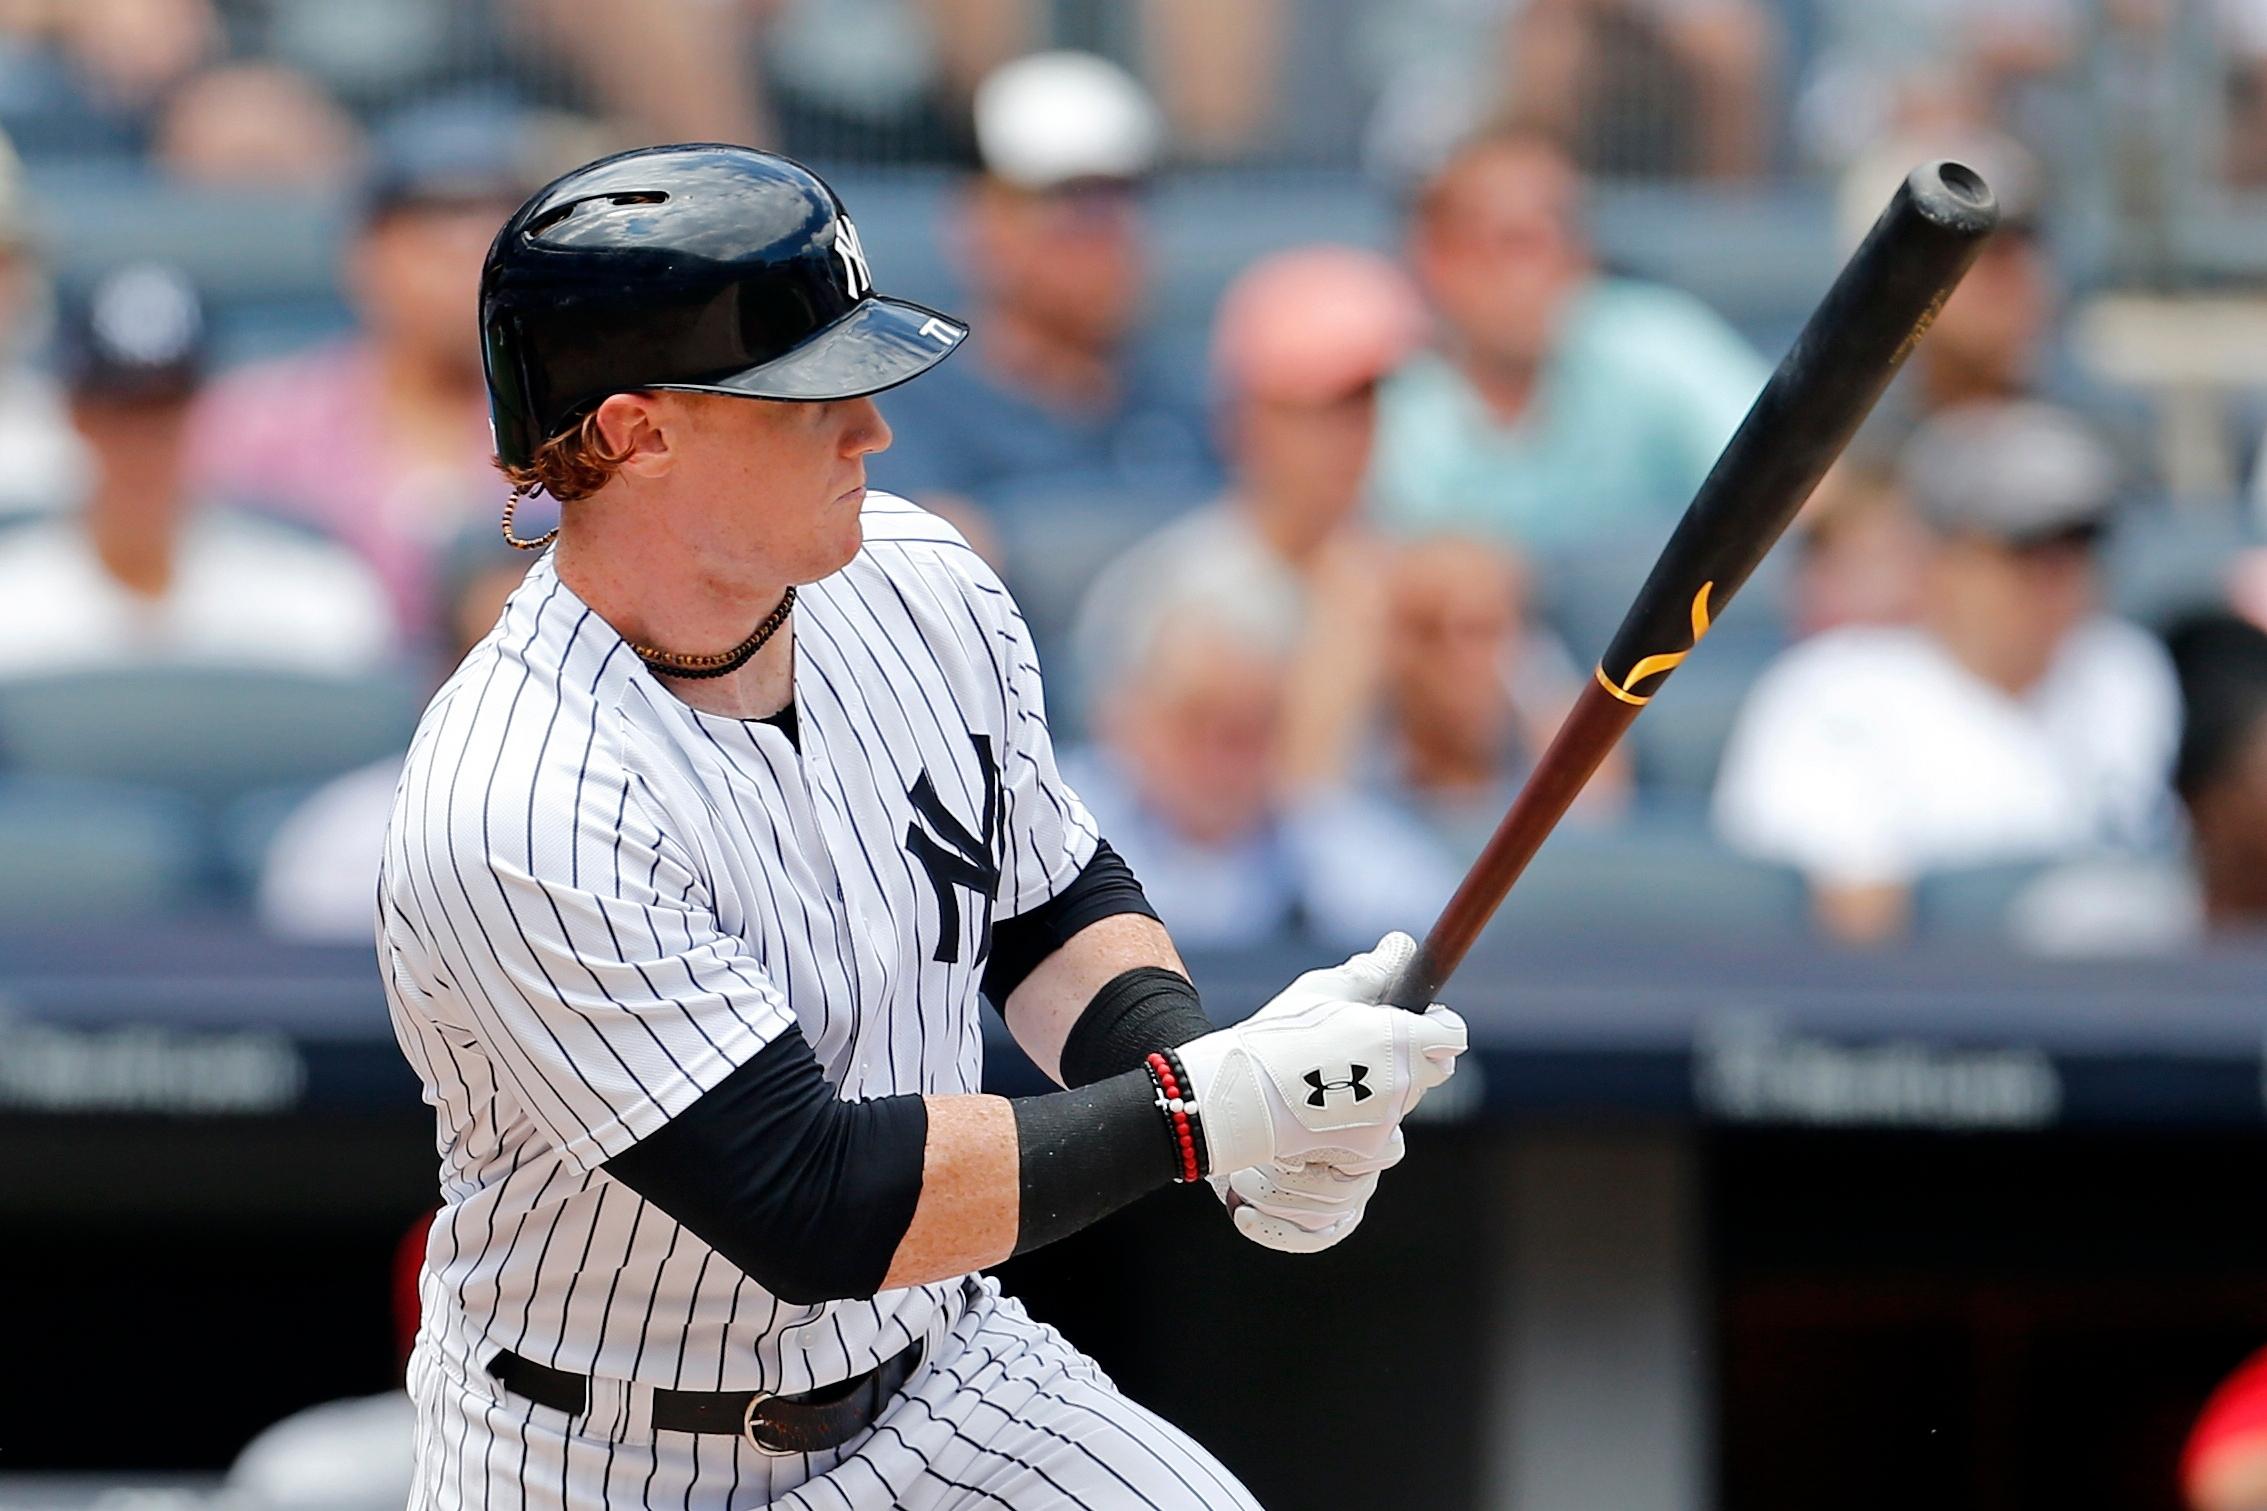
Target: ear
point(637, 428)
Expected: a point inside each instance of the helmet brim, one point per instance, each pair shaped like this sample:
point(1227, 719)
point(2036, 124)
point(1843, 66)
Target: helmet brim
point(879, 344)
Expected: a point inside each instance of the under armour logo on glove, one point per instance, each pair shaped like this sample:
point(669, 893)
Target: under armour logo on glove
point(1357, 1081)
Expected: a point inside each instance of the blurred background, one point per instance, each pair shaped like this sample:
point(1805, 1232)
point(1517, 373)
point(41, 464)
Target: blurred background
point(1867, 1098)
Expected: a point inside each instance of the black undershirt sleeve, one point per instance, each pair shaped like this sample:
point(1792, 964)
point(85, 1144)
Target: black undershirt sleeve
point(806, 1192)
point(1104, 887)
point(1134, 1014)
point(810, 1194)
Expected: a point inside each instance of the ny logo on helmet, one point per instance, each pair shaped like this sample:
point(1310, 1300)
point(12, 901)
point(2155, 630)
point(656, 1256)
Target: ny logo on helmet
point(1357, 1081)
point(854, 270)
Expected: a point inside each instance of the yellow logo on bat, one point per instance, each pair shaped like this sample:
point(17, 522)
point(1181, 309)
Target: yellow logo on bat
point(1664, 661)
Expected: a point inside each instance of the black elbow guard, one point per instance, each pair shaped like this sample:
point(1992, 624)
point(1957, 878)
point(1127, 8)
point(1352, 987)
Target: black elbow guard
point(808, 1194)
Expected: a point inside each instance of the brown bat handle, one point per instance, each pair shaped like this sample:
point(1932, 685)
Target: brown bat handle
point(1590, 731)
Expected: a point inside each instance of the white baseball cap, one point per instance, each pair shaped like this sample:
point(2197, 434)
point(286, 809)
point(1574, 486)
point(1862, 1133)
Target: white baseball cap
point(1054, 118)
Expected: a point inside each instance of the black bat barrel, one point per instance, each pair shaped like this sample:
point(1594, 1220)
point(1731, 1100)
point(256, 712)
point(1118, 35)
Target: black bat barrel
point(1888, 292)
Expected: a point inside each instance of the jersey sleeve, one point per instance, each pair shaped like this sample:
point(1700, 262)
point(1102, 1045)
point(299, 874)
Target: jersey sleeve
point(596, 976)
point(1046, 834)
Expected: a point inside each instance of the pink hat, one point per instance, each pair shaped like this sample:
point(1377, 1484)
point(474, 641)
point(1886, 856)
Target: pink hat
point(1314, 324)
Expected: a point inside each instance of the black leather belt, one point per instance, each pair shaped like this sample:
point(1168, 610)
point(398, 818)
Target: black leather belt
point(808, 1423)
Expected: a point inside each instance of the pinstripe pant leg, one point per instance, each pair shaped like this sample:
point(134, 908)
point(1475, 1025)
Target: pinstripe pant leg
point(1009, 1415)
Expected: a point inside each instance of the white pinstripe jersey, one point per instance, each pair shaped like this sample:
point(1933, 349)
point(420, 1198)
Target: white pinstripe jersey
point(596, 902)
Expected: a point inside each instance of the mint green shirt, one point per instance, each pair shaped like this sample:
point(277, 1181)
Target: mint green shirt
point(1645, 388)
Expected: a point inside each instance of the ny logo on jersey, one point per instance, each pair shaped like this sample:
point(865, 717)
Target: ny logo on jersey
point(854, 270)
point(1357, 1080)
point(955, 857)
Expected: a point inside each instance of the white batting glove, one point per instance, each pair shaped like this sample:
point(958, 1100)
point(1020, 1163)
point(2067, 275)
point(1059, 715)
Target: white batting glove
point(1302, 1209)
point(1327, 1082)
point(1363, 978)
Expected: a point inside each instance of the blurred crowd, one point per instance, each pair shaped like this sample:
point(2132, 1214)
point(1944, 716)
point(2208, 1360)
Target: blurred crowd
point(1315, 590)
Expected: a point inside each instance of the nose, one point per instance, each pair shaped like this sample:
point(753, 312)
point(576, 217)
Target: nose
point(864, 429)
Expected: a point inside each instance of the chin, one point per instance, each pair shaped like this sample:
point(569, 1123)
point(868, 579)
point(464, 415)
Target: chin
point(845, 544)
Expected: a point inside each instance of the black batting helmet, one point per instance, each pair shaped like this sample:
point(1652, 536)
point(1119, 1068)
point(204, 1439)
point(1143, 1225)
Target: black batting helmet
point(707, 267)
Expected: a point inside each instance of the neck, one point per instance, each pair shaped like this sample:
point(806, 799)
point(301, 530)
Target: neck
point(1983, 656)
point(1285, 525)
point(1062, 374)
point(134, 542)
point(1506, 385)
point(650, 600)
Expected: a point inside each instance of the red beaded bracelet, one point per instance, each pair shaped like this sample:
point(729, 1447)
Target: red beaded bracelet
point(1176, 1099)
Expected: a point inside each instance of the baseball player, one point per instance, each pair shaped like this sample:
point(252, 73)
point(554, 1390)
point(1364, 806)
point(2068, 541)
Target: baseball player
point(697, 869)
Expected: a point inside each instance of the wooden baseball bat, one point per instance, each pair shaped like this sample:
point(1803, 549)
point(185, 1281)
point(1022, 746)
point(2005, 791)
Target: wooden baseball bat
point(1853, 343)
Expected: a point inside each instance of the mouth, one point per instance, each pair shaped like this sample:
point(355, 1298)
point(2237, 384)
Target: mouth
point(854, 494)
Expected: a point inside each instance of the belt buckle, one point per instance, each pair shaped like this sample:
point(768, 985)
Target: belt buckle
point(748, 1420)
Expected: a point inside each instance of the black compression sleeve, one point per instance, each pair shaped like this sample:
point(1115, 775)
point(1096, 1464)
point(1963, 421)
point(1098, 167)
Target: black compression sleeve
point(807, 1193)
point(810, 1195)
point(1103, 888)
point(1137, 1013)
point(1086, 1153)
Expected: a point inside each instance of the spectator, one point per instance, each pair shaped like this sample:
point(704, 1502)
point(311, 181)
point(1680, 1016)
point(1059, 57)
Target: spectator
point(1472, 691)
point(1638, 86)
point(315, 883)
point(46, 465)
point(2126, 905)
point(91, 75)
point(1888, 67)
point(1056, 403)
point(2013, 721)
point(382, 439)
point(141, 571)
point(1859, 553)
point(2221, 773)
point(1187, 781)
point(257, 126)
point(1302, 340)
point(1562, 406)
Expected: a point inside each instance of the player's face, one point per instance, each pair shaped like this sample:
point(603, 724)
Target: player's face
point(786, 481)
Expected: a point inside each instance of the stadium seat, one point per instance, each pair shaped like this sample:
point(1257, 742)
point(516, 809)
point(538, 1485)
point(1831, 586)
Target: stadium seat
point(1680, 741)
point(209, 734)
point(1652, 882)
point(71, 849)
